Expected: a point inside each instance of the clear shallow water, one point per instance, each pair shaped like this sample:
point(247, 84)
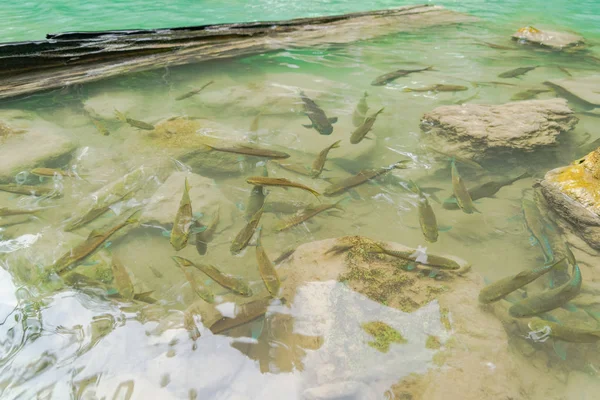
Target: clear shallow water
point(60, 342)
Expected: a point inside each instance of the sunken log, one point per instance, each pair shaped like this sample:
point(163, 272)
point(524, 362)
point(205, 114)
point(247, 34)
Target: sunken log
point(76, 57)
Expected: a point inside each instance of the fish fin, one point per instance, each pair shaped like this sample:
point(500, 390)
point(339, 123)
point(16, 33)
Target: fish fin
point(367, 138)
point(332, 120)
point(407, 90)
point(120, 116)
point(444, 228)
point(256, 328)
point(94, 233)
point(135, 217)
point(560, 348)
point(451, 200)
point(335, 146)
point(308, 126)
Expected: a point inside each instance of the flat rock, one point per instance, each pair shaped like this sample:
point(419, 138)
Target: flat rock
point(34, 146)
point(573, 192)
point(552, 39)
point(477, 131)
point(586, 89)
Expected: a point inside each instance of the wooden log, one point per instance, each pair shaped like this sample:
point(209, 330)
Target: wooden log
point(78, 57)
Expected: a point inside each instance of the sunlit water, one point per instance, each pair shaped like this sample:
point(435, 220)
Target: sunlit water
point(59, 342)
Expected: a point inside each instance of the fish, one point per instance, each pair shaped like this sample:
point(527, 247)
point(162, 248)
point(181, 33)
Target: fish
point(549, 299)
point(284, 207)
point(230, 282)
point(183, 220)
point(528, 94)
point(564, 70)
point(438, 88)
point(26, 190)
point(319, 163)
point(203, 292)
point(100, 127)
point(363, 176)
point(90, 245)
point(193, 92)
point(536, 226)
point(492, 83)
point(256, 201)
point(52, 172)
point(245, 313)
point(265, 267)
point(249, 150)
point(411, 255)
point(96, 212)
point(204, 237)
point(284, 256)
point(505, 286)
point(134, 122)
point(305, 215)
point(459, 159)
point(427, 219)
point(360, 112)
point(317, 116)
point(487, 189)
point(359, 133)
point(513, 73)
point(563, 332)
point(392, 76)
point(463, 198)
point(145, 297)
point(243, 237)
point(7, 212)
point(121, 278)
point(298, 169)
point(280, 182)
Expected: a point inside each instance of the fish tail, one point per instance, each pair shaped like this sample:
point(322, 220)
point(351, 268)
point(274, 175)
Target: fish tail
point(380, 111)
point(413, 187)
point(400, 164)
point(186, 185)
point(407, 90)
point(430, 68)
point(336, 144)
point(120, 116)
point(135, 217)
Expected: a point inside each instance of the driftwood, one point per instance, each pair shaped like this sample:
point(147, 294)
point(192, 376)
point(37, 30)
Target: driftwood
point(77, 57)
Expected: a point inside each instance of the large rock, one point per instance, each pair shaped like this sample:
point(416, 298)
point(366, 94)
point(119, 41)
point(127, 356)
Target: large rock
point(477, 131)
point(573, 192)
point(586, 89)
point(552, 39)
point(24, 146)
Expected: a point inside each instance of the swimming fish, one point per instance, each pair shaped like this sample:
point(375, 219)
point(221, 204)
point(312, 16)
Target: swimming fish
point(563, 332)
point(391, 76)
point(183, 220)
point(193, 92)
point(296, 168)
point(306, 214)
point(319, 163)
point(550, 299)
point(317, 116)
point(427, 219)
point(459, 159)
point(230, 282)
point(121, 278)
point(203, 292)
point(528, 94)
point(284, 256)
point(463, 198)
point(359, 133)
point(90, 245)
point(438, 88)
point(243, 237)
point(249, 150)
point(96, 211)
point(363, 176)
point(360, 112)
point(100, 127)
point(204, 237)
point(245, 313)
point(133, 122)
point(280, 182)
point(513, 73)
point(411, 255)
point(536, 226)
point(501, 288)
point(52, 172)
point(7, 212)
point(487, 189)
point(265, 268)
point(26, 190)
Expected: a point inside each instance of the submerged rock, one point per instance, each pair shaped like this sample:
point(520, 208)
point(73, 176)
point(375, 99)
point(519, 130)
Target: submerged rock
point(552, 39)
point(573, 192)
point(477, 131)
point(23, 149)
point(586, 89)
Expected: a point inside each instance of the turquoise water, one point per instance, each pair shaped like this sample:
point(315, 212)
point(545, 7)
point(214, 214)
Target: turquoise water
point(31, 20)
point(85, 335)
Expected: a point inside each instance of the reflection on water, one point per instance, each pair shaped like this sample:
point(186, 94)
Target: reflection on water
point(93, 304)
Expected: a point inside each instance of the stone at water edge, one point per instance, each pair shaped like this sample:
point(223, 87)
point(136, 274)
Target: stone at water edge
point(573, 192)
point(552, 39)
point(477, 132)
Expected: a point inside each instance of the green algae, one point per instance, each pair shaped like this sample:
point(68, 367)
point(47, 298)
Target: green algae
point(433, 343)
point(384, 335)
